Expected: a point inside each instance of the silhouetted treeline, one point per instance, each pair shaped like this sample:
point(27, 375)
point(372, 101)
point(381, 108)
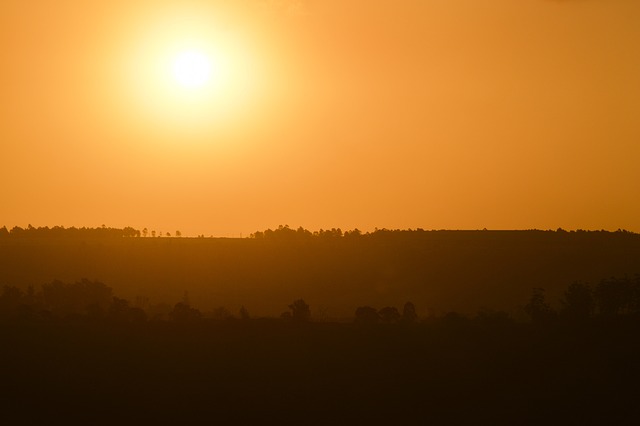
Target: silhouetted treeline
point(386, 315)
point(609, 299)
point(580, 303)
point(82, 299)
point(62, 232)
point(73, 353)
point(88, 300)
point(284, 232)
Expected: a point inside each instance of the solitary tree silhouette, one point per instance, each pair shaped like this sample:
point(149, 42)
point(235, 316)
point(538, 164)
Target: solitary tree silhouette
point(300, 311)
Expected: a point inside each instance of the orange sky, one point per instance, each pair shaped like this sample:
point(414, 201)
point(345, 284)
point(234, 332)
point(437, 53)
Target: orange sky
point(459, 114)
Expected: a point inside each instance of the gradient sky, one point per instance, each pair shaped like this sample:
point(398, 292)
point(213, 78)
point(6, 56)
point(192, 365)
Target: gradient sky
point(462, 114)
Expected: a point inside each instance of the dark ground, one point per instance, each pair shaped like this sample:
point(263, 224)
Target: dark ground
point(449, 371)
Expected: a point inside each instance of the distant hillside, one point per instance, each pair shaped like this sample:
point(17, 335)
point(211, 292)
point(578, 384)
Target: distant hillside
point(334, 272)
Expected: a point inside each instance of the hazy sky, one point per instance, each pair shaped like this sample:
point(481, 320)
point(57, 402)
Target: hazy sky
point(459, 114)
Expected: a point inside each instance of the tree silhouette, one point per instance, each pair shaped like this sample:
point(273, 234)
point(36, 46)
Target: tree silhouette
point(300, 311)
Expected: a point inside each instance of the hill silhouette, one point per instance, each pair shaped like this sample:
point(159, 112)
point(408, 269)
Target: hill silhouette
point(439, 271)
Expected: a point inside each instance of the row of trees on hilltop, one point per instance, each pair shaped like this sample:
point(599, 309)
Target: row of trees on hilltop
point(284, 232)
point(73, 232)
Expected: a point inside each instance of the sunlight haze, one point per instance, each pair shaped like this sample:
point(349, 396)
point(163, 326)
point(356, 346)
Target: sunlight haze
point(223, 118)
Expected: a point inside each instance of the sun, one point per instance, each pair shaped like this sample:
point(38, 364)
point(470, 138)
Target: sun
point(189, 76)
point(192, 69)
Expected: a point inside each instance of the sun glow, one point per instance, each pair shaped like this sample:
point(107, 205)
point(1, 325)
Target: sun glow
point(192, 69)
point(187, 76)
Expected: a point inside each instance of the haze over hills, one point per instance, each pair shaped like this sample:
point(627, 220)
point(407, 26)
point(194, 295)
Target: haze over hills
point(335, 272)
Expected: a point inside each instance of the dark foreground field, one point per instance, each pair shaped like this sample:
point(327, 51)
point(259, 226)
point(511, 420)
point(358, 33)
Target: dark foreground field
point(445, 371)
